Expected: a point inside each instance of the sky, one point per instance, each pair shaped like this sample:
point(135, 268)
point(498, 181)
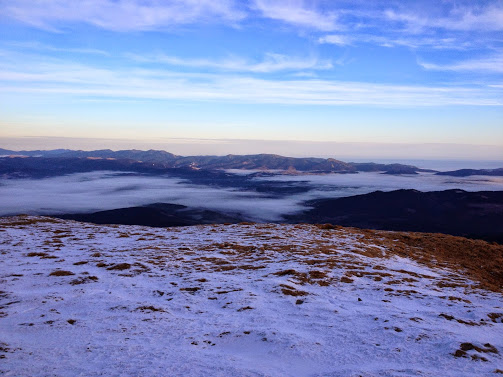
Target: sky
point(380, 74)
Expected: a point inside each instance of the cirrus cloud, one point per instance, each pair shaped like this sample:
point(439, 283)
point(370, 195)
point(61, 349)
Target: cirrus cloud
point(489, 64)
point(297, 12)
point(119, 15)
point(39, 75)
point(271, 62)
point(470, 16)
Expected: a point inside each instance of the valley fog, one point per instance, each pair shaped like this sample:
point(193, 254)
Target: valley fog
point(96, 191)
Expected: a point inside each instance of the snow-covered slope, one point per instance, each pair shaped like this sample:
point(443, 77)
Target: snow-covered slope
point(234, 300)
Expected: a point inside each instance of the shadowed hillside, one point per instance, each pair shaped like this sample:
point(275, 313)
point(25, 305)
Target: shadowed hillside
point(457, 212)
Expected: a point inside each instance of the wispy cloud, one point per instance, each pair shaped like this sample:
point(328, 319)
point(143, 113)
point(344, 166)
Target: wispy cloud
point(44, 47)
point(119, 15)
point(59, 78)
point(420, 25)
point(336, 39)
point(396, 40)
point(425, 24)
point(491, 64)
point(297, 12)
point(473, 16)
point(271, 63)
point(415, 42)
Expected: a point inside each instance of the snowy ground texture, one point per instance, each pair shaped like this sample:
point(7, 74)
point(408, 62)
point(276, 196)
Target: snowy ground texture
point(233, 300)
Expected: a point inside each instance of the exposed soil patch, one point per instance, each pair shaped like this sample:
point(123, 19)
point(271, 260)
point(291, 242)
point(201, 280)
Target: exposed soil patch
point(61, 273)
point(120, 267)
point(285, 272)
point(451, 318)
point(149, 308)
point(471, 350)
point(291, 291)
point(245, 308)
point(345, 279)
point(84, 280)
point(496, 317)
point(190, 289)
point(36, 254)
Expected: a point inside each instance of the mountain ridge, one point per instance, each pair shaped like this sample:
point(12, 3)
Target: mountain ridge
point(456, 212)
point(247, 162)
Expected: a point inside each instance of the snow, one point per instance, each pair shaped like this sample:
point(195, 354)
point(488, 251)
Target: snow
point(216, 300)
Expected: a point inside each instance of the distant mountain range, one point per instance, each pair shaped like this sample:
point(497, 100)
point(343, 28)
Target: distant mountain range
point(468, 172)
point(155, 160)
point(152, 161)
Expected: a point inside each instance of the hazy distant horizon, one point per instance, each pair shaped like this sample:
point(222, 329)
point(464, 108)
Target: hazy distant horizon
point(438, 156)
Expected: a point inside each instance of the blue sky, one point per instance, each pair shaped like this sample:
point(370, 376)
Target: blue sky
point(329, 71)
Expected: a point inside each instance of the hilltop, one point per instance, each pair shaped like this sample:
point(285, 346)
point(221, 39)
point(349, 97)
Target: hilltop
point(246, 300)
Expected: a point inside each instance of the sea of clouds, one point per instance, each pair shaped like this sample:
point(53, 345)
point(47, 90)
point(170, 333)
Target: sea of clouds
point(97, 191)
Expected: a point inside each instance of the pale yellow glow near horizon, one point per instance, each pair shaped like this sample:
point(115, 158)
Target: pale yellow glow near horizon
point(294, 148)
point(46, 128)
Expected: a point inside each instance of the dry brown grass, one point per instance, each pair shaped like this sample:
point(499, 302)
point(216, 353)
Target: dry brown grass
point(452, 318)
point(37, 254)
point(120, 267)
point(464, 348)
point(479, 260)
point(84, 280)
point(27, 220)
point(496, 317)
point(245, 308)
point(292, 291)
point(345, 279)
point(61, 273)
point(328, 226)
point(190, 289)
point(149, 308)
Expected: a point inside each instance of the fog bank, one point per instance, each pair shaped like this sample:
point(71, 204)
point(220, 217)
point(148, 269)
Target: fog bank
point(97, 191)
